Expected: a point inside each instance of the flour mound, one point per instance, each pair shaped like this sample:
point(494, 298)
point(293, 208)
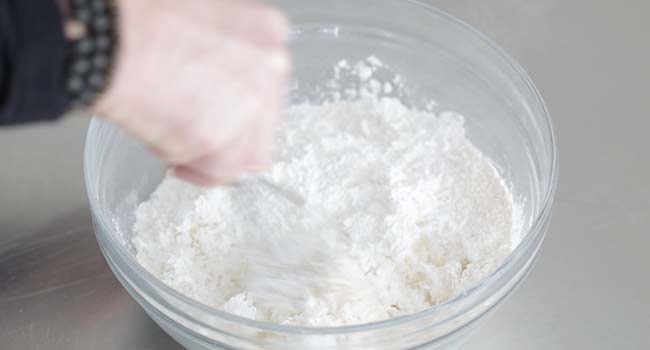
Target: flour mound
point(402, 212)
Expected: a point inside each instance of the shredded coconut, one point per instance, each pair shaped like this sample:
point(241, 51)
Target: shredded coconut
point(401, 212)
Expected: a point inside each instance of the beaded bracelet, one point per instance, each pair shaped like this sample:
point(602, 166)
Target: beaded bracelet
point(91, 29)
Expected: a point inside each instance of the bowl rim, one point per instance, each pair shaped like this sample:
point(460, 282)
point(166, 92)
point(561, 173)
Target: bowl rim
point(535, 229)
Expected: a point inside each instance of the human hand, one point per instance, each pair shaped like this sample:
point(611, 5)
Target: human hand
point(200, 82)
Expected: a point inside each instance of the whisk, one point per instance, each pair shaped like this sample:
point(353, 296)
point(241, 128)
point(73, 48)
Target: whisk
point(247, 181)
point(287, 260)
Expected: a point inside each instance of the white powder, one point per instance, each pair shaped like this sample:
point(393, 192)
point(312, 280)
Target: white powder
point(402, 212)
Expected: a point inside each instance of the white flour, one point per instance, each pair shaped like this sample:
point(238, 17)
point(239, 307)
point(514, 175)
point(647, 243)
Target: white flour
point(402, 212)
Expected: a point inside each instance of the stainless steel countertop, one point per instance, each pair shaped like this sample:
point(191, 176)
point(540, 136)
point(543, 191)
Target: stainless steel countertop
point(589, 290)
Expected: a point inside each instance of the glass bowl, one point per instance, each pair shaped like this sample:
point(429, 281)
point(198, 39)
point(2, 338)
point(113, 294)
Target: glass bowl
point(439, 58)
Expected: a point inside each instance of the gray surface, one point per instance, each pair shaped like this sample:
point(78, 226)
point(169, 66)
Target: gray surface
point(589, 290)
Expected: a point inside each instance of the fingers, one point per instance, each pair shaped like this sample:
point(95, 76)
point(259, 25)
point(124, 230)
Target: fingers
point(189, 175)
point(224, 165)
point(249, 148)
point(212, 164)
point(240, 125)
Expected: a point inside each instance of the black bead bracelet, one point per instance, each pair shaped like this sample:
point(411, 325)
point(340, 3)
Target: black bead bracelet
point(92, 31)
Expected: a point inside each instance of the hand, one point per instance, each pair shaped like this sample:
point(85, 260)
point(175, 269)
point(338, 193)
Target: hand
point(201, 82)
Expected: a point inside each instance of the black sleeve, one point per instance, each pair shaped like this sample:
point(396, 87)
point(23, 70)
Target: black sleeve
point(32, 61)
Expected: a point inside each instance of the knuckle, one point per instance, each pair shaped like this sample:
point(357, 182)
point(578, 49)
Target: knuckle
point(279, 61)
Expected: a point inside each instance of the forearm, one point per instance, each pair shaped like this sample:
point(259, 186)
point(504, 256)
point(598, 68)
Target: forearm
point(33, 53)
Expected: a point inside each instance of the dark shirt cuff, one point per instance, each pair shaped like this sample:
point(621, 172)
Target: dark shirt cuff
point(33, 54)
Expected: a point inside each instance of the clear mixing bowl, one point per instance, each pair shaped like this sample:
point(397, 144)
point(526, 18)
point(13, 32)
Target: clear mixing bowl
point(439, 58)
